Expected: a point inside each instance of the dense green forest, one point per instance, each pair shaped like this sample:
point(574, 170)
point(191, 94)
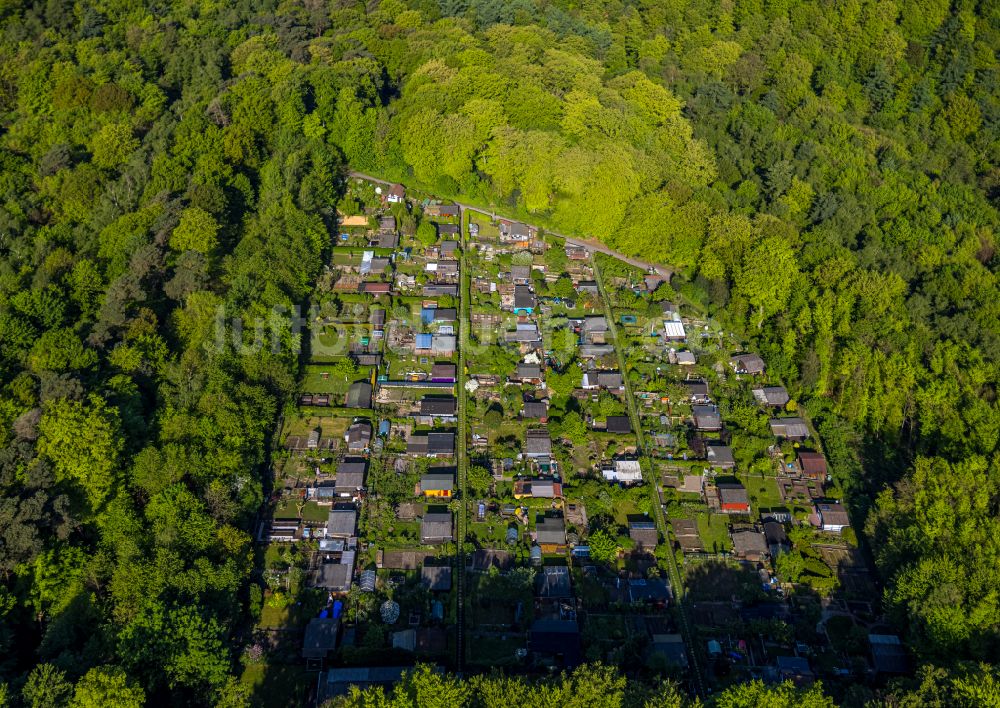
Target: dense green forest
point(822, 175)
point(597, 686)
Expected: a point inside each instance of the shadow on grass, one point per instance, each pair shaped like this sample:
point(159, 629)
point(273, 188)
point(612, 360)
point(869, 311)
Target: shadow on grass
point(280, 685)
point(716, 580)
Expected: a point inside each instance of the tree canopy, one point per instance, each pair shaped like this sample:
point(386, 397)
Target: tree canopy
point(820, 177)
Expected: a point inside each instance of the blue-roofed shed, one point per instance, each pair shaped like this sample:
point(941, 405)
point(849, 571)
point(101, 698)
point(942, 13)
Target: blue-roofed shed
point(423, 341)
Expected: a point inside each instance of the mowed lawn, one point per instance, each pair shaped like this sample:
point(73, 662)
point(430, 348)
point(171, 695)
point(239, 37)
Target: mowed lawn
point(403, 363)
point(323, 379)
point(332, 342)
point(488, 534)
point(625, 508)
point(763, 492)
point(714, 532)
point(486, 229)
point(311, 511)
point(330, 426)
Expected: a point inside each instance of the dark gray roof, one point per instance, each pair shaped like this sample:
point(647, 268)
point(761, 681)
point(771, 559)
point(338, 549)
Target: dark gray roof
point(440, 289)
point(436, 578)
point(352, 465)
point(619, 424)
point(707, 417)
point(523, 333)
point(523, 297)
point(437, 481)
point(888, 654)
point(775, 533)
point(651, 590)
point(609, 379)
point(359, 434)
point(320, 638)
point(435, 526)
point(359, 395)
point(444, 405)
point(833, 514)
point(518, 229)
point(341, 522)
point(440, 443)
point(789, 428)
point(338, 681)
point(686, 358)
point(538, 442)
point(733, 493)
point(794, 666)
point(558, 637)
point(349, 481)
point(720, 456)
point(671, 647)
point(697, 387)
point(594, 323)
point(748, 542)
point(445, 314)
point(543, 488)
point(388, 240)
point(551, 529)
point(644, 532)
point(417, 445)
point(529, 371)
point(434, 443)
point(771, 395)
point(535, 409)
point(333, 576)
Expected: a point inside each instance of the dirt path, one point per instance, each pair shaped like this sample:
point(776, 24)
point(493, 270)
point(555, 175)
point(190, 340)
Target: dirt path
point(592, 245)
